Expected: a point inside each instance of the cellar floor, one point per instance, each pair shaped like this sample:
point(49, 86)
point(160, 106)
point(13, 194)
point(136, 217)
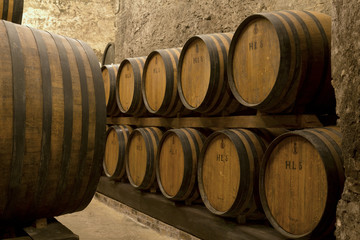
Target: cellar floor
point(98, 221)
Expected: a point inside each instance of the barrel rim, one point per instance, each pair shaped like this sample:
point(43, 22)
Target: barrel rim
point(323, 222)
point(233, 210)
point(143, 78)
point(146, 134)
point(110, 44)
point(123, 62)
point(157, 164)
point(111, 128)
point(179, 67)
point(230, 66)
point(118, 173)
point(111, 106)
point(181, 194)
point(127, 157)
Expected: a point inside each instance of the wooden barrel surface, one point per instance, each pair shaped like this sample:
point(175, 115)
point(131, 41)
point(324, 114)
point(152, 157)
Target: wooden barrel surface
point(301, 181)
point(228, 172)
point(109, 54)
point(114, 160)
point(280, 62)
point(159, 86)
point(128, 86)
point(11, 10)
point(177, 158)
point(109, 73)
point(52, 123)
point(140, 157)
point(202, 80)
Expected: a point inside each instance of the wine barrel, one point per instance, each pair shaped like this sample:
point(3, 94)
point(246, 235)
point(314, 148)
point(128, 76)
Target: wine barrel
point(114, 160)
point(176, 165)
point(159, 83)
point(280, 62)
point(140, 157)
point(202, 80)
point(109, 54)
point(11, 10)
point(109, 73)
point(128, 86)
point(52, 124)
point(301, 181)
point(228, 172)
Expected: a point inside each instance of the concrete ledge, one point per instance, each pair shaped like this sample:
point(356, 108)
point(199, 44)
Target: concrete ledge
point(195, 220)
point(160, 227)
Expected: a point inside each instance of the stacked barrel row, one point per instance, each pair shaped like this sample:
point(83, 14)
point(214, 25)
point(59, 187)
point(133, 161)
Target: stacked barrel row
point(275, 62)
point(296, 179)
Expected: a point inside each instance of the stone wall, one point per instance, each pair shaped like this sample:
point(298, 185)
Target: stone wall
point(346, 81)
point(145, 25)
point(92, 21)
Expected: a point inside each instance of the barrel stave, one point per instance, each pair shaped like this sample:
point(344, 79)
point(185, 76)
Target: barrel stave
point(301, 180)
point(288, 71)
point(177, 158)
point(140, 157)
point(228, 170)
point(128, 86)
point(109, 73)
point(202, 80)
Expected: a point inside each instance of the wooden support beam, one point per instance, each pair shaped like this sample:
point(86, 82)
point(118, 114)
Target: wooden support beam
point(253, 121)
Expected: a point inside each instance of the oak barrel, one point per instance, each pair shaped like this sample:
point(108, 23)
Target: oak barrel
point(228, 172)
point(109, 54)
point(52, 123)
point(301, 181)
point(159, 83)
point(280, 62)
point(176, 165)
point(140, 157)
point(128, 86)
point(202, 80)
point(109, 73)
point(11, 10)
point(114, 159)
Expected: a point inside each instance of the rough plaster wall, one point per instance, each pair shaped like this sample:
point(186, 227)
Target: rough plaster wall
point(145, 25)
point(92, 21)
point(346, 80)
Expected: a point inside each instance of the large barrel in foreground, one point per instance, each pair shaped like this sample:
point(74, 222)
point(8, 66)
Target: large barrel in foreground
point(52, 124)
point(301, 181)
point(176, 165)
point(202, 80)
point(11, 10)
point(109, 73)
point(114, 158)
point(140, 157)
point(128, 86)
point(228, 172)
point(159, 83)
point(280, 62)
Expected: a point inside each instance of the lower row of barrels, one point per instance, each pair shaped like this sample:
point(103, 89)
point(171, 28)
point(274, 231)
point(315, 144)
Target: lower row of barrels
point(294, 177)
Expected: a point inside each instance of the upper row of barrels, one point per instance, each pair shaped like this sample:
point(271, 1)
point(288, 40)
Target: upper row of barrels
point(275, 62)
